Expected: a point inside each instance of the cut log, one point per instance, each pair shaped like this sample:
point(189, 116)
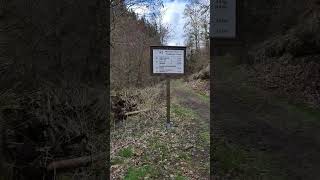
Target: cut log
point(75, 162)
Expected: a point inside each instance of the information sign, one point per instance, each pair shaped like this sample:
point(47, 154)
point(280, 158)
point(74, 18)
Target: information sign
point(168, 59)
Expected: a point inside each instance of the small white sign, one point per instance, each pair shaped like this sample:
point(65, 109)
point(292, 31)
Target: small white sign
point(168, 61)
point(223, 19)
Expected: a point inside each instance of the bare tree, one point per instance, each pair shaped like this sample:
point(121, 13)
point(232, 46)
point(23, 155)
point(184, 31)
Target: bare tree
point(196, 27)
point(197, 23)
point(131, 38)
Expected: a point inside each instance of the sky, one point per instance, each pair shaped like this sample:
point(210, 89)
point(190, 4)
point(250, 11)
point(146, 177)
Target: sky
point(173, 17)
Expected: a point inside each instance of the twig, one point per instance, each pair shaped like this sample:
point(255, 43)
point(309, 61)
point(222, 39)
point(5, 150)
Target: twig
point(136, 112)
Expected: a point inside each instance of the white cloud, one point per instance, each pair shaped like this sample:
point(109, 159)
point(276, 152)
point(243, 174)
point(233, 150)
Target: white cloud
point(172, 16)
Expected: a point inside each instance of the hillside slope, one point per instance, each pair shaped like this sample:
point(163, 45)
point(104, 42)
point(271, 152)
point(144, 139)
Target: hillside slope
point(288, 62)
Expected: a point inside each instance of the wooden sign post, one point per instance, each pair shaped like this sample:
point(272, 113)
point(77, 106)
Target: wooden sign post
point(168, 103)
point(170, 62)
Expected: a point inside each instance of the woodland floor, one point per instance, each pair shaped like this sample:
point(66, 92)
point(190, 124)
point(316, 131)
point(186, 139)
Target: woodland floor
point(258, 135)
point(143, 149)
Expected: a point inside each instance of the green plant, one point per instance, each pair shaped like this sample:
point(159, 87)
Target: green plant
point(205, 136)
point(182, 111)
point(135, 173)
point(126, 152)
point(180, 177)
point(116, 160)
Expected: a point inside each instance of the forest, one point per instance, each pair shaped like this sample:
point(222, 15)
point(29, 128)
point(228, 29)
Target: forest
point(58, 119)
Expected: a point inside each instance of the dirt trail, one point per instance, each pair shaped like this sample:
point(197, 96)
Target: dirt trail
point(189, 99)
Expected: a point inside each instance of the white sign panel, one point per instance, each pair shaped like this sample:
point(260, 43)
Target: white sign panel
point(168, 61)
point(223, 19)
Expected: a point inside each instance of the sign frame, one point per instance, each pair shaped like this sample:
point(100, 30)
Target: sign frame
point(184, 48)
point(237, 28)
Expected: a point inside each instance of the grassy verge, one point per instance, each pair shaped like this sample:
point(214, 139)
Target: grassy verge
point(183, 112)
point(145, 149)
point(200, 131)
point(203, 97)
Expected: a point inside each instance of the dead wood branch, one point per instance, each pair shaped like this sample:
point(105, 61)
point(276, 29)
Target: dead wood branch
point(75, 162)
point(136, 112)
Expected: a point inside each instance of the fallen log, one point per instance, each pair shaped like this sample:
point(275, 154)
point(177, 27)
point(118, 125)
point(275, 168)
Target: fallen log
point(136, 112)
point(75, 162)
